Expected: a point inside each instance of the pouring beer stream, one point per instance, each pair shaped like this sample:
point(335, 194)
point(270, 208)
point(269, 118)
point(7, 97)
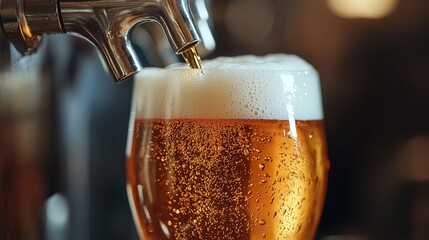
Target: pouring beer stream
point(192, 58)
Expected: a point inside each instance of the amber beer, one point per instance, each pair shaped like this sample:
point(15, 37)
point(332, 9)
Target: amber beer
point(237, 151)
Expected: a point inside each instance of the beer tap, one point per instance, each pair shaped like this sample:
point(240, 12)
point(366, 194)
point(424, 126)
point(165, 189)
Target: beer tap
point(151, 39)
point(157, 51)
point(105, 23)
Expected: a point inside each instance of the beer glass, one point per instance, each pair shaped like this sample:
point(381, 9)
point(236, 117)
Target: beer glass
point(234, 151)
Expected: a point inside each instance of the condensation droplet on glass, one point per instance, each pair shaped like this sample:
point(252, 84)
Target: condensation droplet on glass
point(261, 222)
point(261, 166)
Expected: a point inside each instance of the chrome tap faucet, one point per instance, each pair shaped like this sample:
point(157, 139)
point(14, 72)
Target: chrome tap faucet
point(105, 23)
point(152, 40)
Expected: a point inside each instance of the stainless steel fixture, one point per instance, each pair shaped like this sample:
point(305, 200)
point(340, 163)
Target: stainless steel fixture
point(104, 23)
point(153, 42)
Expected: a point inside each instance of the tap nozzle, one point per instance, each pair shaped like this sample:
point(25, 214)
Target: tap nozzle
point(152, 40)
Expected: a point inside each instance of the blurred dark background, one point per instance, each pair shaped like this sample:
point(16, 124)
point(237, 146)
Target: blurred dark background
point(64, 123)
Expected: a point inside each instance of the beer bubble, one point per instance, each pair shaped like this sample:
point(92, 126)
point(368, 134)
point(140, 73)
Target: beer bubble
point(246, 152)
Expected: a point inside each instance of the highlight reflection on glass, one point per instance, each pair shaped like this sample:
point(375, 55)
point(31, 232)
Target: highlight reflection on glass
point(230, 152)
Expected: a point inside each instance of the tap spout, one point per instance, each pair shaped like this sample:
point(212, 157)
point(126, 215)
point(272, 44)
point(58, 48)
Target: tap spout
point(177, 22)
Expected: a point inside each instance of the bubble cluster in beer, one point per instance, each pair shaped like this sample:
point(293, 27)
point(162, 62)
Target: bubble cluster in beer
point(276, 86)
point(229, 179)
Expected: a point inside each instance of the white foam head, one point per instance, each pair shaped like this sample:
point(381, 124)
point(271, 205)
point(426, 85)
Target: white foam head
point(275, 86)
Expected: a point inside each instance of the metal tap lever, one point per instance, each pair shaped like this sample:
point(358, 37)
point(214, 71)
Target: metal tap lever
point(105, 23)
